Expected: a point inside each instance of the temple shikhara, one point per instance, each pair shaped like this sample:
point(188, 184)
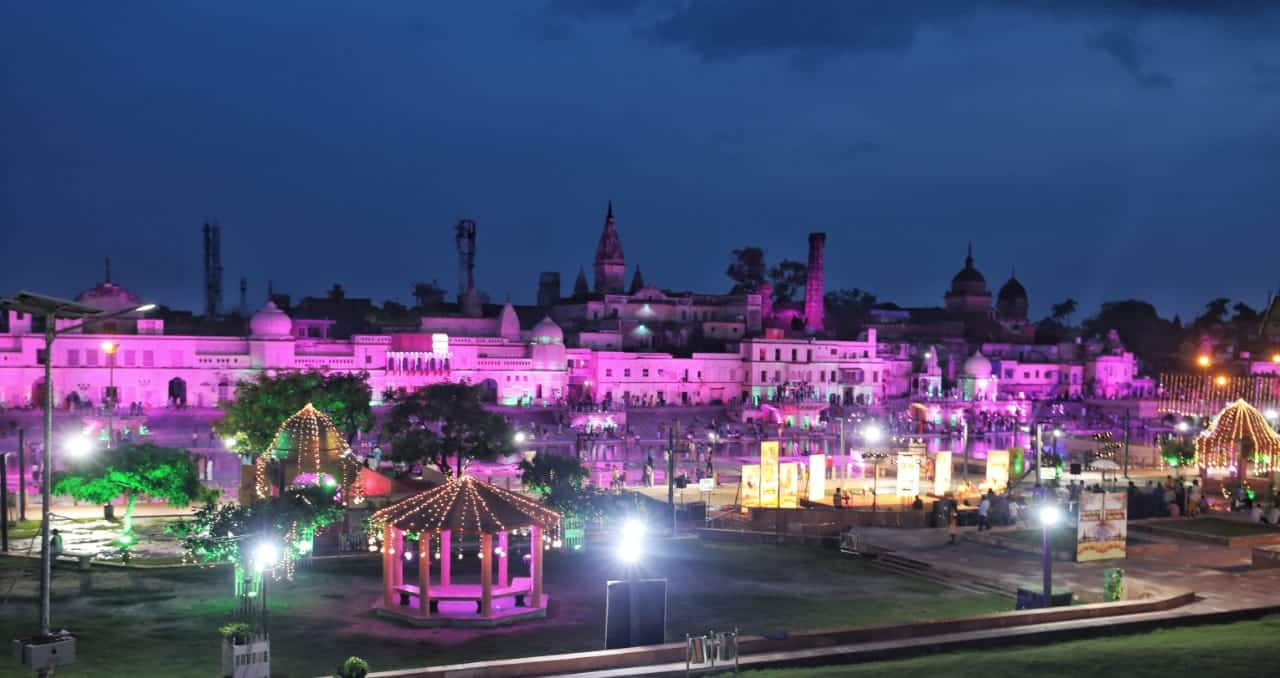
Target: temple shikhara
point(609, 341)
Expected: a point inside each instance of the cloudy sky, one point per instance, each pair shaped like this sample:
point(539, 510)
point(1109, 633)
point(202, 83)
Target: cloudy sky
point(1106, 149)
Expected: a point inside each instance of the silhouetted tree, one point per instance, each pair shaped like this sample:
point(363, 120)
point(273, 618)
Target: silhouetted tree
point(788, 279)
point(1140, 327)
point(428, 295)
point(336, 293)
point(746, 269)
point(1062, 312)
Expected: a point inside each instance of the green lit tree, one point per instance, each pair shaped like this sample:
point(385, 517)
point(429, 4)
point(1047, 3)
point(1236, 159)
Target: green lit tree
point(262, 404)
point(440, 421)
point(1178, 453)
point(132, 471)
point(560, 483)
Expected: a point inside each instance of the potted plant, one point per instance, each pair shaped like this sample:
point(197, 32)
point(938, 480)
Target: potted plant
point(246, 652)
point(354, 667)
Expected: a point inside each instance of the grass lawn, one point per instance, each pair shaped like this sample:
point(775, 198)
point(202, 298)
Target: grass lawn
point(1219, 527)
point(1062, 539)
point(163, 622)
point(1240, 649)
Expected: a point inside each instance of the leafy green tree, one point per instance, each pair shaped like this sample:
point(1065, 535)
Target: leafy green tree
point(132, 471)
point(1178, 452)
point(788, 278)
point(261, 405)
point(560, 483)
point(746, 269)
point(440, 421)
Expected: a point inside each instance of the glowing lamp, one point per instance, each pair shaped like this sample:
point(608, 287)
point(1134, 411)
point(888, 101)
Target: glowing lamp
point(109, 347)
point(1271, 414)
point(1221, 380)
point(1204, 361)
point(229, 443)
point(1057, 433)
point(265, 556)
point(1183, 427)
point(631, 544)
point(79, 446)
point(1049, 515)
point(144, 308)
point(519, 437)
point(872, 433)
point(1275, 357)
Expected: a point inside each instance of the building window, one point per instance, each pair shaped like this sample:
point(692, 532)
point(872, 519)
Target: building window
point(793, 354)
point(130, 358)
point(644, 372)
point(764, 376)
point(608, 373)
point(762, 354)
point(822, 376)
point(148, 359)
point(699, 375)
point(91, 357)
point(875, 377)
point(777, 376)
point(626, 372)
point(777, 354)
point(1008, 374)
point(73, 357)
point(833, 375)
point(1026, 374)
point(808, 355)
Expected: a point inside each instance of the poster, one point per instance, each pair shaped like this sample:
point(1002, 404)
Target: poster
point(908, 475)
point(749, 488)
point(817, 477)
point(769, 473)
point(1103, 525)
point(942, 473)
point(789, 485)
point(997, 470)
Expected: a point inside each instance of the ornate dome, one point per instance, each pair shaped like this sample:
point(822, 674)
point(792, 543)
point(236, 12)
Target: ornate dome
point(977, 366)
point(547, 332)
point(1012, 299)
point(969, 280)
point(270, 322)
point(109, 297)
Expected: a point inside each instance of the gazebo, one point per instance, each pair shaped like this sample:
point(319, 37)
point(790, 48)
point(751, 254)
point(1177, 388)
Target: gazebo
point(463, 506)
point(310, 443)
point(1239, 436)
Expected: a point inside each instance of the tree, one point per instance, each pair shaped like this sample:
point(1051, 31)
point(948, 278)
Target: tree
point(1061, 312)
point(261, 405)
point(392, 307)
point(847, 310)
point(559, 482)
point(788, 279)
point(432, 423)
point(1142, 330)
point(428, 295)
point(1215, 313)
point(746, 269)
point(336, 293)
point(130, 471)
point(1178, 452)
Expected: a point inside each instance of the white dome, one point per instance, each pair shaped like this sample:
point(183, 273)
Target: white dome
point(547, 332)
point(270, 322)
point(977, 366)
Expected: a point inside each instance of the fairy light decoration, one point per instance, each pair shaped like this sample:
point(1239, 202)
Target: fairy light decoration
point(468, 506)
point(313, 443)
point(1238, 430)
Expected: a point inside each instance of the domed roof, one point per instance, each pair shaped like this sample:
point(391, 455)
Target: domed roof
point(109, 297)
point(977, 366)
point(270, 322)
point(1012, 291)
point(548, 332)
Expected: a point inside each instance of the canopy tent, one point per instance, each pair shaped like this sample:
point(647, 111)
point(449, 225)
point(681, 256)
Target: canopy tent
point(1239, 437)
point(463, 506)
point(310, 443)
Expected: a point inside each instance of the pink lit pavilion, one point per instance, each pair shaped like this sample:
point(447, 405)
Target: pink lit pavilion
point(463, 506)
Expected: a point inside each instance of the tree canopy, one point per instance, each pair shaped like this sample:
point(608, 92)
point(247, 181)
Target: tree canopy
point(1140, 327)
point(434, 423)
point(788, 278)
point(262, 404)
point(746, 269)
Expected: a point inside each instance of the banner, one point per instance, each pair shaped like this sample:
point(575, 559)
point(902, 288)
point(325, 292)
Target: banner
point(817, 477)
point(749, 488)
point(769, 473)
point(1103, 525)
point(942, 473)
point(997, 470)
point(908, 475)
point(789, 485)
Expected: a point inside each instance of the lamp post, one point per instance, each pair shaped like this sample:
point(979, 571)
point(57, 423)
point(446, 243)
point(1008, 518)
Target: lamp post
point(1049, 516)
point(110, 348)
point(52, 308)
point(872, 434)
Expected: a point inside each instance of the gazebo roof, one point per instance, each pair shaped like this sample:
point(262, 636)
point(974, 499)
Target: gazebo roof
point(466, 506)
point(1240, 421)
point(310, 433)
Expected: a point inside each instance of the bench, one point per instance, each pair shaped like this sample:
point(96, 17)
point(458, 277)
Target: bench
point(519, 588)
point(82, 560)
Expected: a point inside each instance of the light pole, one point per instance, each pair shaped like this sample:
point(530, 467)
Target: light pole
point(1049, 516)
point(872, 434)
point(51, 309)
point(110, 348)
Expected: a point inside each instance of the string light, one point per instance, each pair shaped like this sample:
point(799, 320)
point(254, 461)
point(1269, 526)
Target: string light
point(1199, 395)
point(1239, 428)
point(313, 442)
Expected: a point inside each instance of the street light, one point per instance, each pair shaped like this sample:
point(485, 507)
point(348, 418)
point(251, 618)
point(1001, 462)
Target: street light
point(631, 542)
point(1204, 361)
point(52, 309)
point(110, 348)
point(872, 433)
point(1049, 516)
point(79, 446)
point(519, 437)
point(1183, 427)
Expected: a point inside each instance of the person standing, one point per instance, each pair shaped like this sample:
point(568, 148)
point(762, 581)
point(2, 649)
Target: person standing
point(953, 524)
point(984, 512)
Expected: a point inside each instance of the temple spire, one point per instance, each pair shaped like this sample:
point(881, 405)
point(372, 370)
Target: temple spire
point(609, 213)
point(968, 259)
point(108, 278)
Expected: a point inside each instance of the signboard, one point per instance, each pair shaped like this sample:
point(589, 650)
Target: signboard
point(1018, 460)
point(1103, 525)
point(789, 485)
point(706, 484)
point(769, 473)
point(997, 470)
point(817, 477)
point(908, 475)
point(749, 489)
point(942, 473)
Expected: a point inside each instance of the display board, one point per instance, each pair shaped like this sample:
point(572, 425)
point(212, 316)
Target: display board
point(817, 477)
point(908, 474)
point(997, 470)
point(789, 485)
point(942, 473)
point(1103, 525)
point(769, 473)
point(749, 488)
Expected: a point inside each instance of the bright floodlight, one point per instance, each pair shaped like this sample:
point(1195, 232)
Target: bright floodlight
point(79, 446)
point(109, 347)
point(872, 433)
point(144, 308)
point(1271, 414)
point(265, 555)
point(631, 544)
point(519, 437)
point(1183, 427)
point(1049, 515)
point(1057, 433)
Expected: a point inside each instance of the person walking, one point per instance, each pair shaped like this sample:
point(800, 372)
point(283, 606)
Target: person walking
point(953, 524)
point(984, 512)
point(837, 499)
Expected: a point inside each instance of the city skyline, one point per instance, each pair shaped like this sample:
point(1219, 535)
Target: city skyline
point(370, 136)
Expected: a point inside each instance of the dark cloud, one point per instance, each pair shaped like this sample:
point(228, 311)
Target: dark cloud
point(1123, 48)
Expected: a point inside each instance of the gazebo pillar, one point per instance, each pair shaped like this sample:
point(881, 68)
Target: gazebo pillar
point(446, 558)
point(388, 562)
point(535, 563)
point(486, 574)
point(399, 559)
point(503, 560)
point(424, 574)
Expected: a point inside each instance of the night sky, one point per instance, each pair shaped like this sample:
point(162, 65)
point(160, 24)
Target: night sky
point(1107, 149)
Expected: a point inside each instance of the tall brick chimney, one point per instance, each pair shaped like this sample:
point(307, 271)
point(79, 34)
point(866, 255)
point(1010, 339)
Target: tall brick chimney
point(814, 287)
